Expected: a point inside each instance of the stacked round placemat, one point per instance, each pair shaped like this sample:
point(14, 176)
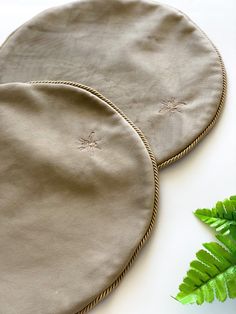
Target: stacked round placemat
point(95, 96)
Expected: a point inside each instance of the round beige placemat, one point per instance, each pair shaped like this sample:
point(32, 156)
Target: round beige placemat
point(151, 60)
point(78, 197)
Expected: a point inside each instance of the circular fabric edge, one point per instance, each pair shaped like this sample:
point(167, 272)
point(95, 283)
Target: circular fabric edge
point(207, 129)
point(201, 136)
point(147, 234)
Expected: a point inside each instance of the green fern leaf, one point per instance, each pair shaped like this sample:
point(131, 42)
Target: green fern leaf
point(221, 217)
point(212, 275)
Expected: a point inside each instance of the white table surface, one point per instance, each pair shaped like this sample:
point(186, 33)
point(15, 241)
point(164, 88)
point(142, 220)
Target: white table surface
point(198, 180)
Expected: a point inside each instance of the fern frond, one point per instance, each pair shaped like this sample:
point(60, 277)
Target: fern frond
point(221, 217)
point(212, 275)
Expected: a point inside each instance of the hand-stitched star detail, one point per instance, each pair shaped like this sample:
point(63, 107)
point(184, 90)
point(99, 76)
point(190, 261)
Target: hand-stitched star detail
point(89, 143)
point(171, 105)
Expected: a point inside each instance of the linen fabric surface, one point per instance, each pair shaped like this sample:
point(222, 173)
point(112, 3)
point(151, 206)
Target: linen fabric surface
point(78, 197)
point(151, 60)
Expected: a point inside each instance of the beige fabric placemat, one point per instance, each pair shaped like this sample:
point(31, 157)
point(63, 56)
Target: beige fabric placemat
point(78, 197)
point(151, 60)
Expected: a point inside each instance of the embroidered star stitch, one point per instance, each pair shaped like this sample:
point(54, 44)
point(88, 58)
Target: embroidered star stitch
point(171, 105)
point(89, 143)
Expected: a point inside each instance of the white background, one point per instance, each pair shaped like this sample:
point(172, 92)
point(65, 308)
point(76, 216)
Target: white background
point(201, 178)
